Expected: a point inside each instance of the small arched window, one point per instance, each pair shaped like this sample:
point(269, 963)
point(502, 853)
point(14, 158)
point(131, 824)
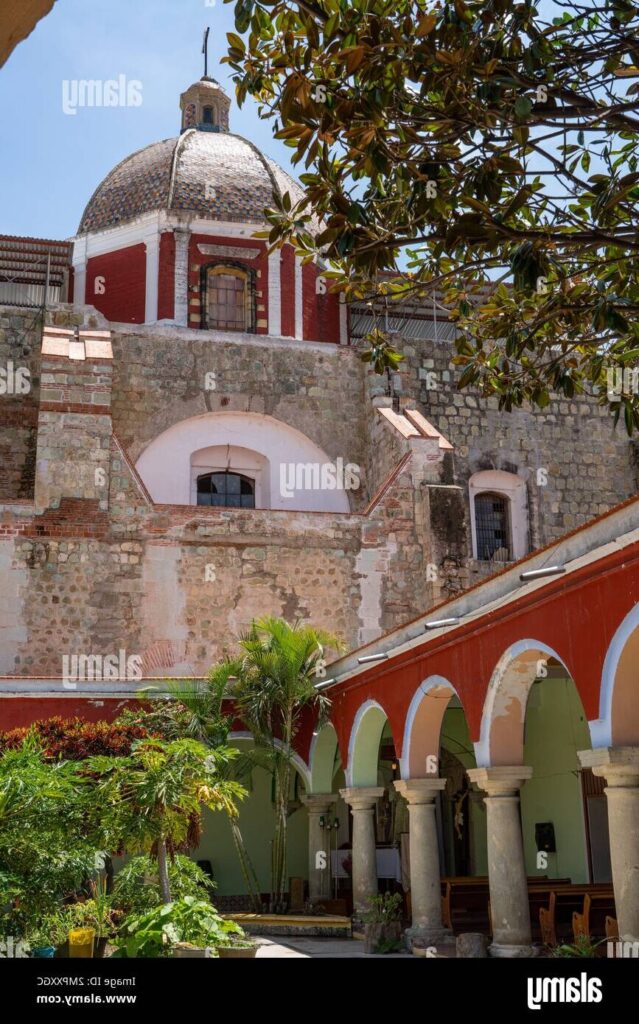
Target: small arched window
point(226, 490)
point(492, 527)
point(207, 115)
point(228, 298)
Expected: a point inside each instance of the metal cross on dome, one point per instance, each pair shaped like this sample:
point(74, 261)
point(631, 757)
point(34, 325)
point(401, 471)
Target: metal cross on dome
point(205, 51)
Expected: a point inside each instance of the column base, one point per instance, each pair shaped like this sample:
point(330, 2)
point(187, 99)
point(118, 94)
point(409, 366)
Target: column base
point(421, 937)
point(510, 952)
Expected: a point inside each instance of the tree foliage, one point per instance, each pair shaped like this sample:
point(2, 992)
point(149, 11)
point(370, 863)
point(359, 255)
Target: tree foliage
point(73, 739)
point(495, 143)
point(273, 681)
point(152, 800)
point(45, 852)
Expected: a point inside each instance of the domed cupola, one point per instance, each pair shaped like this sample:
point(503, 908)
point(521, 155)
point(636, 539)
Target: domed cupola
point(205, 106)
point(174, 235)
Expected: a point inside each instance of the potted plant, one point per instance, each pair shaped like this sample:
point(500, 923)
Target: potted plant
point(40, 942)
point(237, 947)
point(47, 935)
point(382, 924)
point(95, 914)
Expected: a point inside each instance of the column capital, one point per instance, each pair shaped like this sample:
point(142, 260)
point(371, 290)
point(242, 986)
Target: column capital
point(319, 803)
point(501, 780)
point(420, 791)
point(362, 798)
point(618, 765)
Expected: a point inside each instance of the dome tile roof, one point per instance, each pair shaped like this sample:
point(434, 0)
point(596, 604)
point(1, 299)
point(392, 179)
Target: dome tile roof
point(216, 175)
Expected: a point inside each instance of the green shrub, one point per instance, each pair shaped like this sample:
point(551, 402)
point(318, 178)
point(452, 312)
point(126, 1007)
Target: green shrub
point(384, 908)
point(137, 887)
point(186, 920)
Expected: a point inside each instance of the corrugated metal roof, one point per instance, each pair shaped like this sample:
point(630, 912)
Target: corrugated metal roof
point(23, 269)
point(415, 326)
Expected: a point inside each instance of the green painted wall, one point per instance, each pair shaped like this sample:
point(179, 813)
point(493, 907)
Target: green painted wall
point(257, 825)
point(556, 728)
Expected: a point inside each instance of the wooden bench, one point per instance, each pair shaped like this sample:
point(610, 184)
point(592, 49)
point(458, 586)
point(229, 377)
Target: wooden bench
point(591, 922)
point(557, 918)
point(612, 928)
point(474, 895)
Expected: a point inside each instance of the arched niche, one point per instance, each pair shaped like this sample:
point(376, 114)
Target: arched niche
point(293, 467)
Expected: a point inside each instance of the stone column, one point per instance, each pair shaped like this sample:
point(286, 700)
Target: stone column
point(181, 314)
point(425, 884)
point(506, 866)
point(362, 803)
point(620, 768)
point(319, 867)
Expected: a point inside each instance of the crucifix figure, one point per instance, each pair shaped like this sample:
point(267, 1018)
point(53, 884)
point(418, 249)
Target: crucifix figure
point(205, 51)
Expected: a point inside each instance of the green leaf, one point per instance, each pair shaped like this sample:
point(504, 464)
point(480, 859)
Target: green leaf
point(523, 107)
point(243, 12)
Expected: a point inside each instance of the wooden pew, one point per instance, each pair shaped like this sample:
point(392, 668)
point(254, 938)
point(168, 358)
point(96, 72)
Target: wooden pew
point(591, 922)
point(612, 928)
point(472, 895)
point(556, 915)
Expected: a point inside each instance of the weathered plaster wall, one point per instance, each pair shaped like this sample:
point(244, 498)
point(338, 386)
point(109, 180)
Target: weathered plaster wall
point(94, 567)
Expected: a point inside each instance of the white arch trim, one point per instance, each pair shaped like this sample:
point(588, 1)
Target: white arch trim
point(511, 487)
point(292, 461)
point(314, 739)
point(601, 728)
point(301, 765)
point(482, 747)
point(431, 683)
point(357, 721)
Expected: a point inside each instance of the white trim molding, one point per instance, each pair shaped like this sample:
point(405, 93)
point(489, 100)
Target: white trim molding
point(275, 293)
point(299, 301)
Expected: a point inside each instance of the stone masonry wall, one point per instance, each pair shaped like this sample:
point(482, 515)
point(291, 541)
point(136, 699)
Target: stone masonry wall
point(20, 334)
point(160, 378)
point(88, 572)
point(575, 464)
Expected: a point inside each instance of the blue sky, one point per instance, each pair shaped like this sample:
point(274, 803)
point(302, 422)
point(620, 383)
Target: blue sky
point(52, 161)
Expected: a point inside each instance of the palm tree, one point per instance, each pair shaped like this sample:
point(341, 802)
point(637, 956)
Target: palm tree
point(190, 710)
point(152, 799)
point(274, 680)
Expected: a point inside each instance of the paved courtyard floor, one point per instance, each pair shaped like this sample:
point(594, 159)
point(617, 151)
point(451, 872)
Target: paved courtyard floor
point(292, 946)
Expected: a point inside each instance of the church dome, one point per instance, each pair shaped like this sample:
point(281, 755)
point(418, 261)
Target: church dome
point(206, 171)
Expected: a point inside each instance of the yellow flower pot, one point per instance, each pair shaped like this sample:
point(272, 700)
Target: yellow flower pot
point(81, 942)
